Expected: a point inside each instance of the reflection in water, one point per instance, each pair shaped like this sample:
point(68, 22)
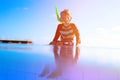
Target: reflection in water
point(66, 58)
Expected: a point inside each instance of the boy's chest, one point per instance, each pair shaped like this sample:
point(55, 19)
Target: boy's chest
point(66, 30)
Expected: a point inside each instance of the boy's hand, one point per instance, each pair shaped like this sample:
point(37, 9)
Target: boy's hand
point(52, 43)
point(77, 43)
point(56, 43)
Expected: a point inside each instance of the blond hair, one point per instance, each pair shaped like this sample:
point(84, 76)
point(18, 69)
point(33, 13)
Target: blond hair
point(66, 11)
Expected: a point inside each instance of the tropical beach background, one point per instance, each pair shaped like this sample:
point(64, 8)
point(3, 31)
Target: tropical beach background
point(98, 57)
point(98, 20)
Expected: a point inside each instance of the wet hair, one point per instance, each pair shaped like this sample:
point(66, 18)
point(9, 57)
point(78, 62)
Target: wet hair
point(66, 11)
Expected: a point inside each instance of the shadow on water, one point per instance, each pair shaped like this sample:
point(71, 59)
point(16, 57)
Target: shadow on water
point(66, 58)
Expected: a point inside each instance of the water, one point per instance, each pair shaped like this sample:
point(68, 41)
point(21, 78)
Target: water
point(45, 62)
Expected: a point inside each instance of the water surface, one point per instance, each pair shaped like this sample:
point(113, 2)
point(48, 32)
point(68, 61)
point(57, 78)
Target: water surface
point(45, 62)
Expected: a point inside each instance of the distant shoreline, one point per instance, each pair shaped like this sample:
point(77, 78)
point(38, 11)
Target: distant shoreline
point(16, 41)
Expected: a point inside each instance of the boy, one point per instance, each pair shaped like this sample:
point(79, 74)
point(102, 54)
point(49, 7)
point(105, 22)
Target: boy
point(66, 31)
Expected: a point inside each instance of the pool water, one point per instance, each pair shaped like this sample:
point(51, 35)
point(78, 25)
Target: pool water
point(47, 62)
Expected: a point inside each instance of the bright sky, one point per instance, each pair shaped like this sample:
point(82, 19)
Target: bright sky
point(97, 20)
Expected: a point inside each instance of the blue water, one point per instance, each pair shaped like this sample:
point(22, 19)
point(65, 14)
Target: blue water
point(45, 62)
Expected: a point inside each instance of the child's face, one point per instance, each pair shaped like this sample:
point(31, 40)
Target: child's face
point(66, 18)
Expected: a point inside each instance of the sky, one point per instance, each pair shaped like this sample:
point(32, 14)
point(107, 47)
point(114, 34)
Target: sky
point(97, 20)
